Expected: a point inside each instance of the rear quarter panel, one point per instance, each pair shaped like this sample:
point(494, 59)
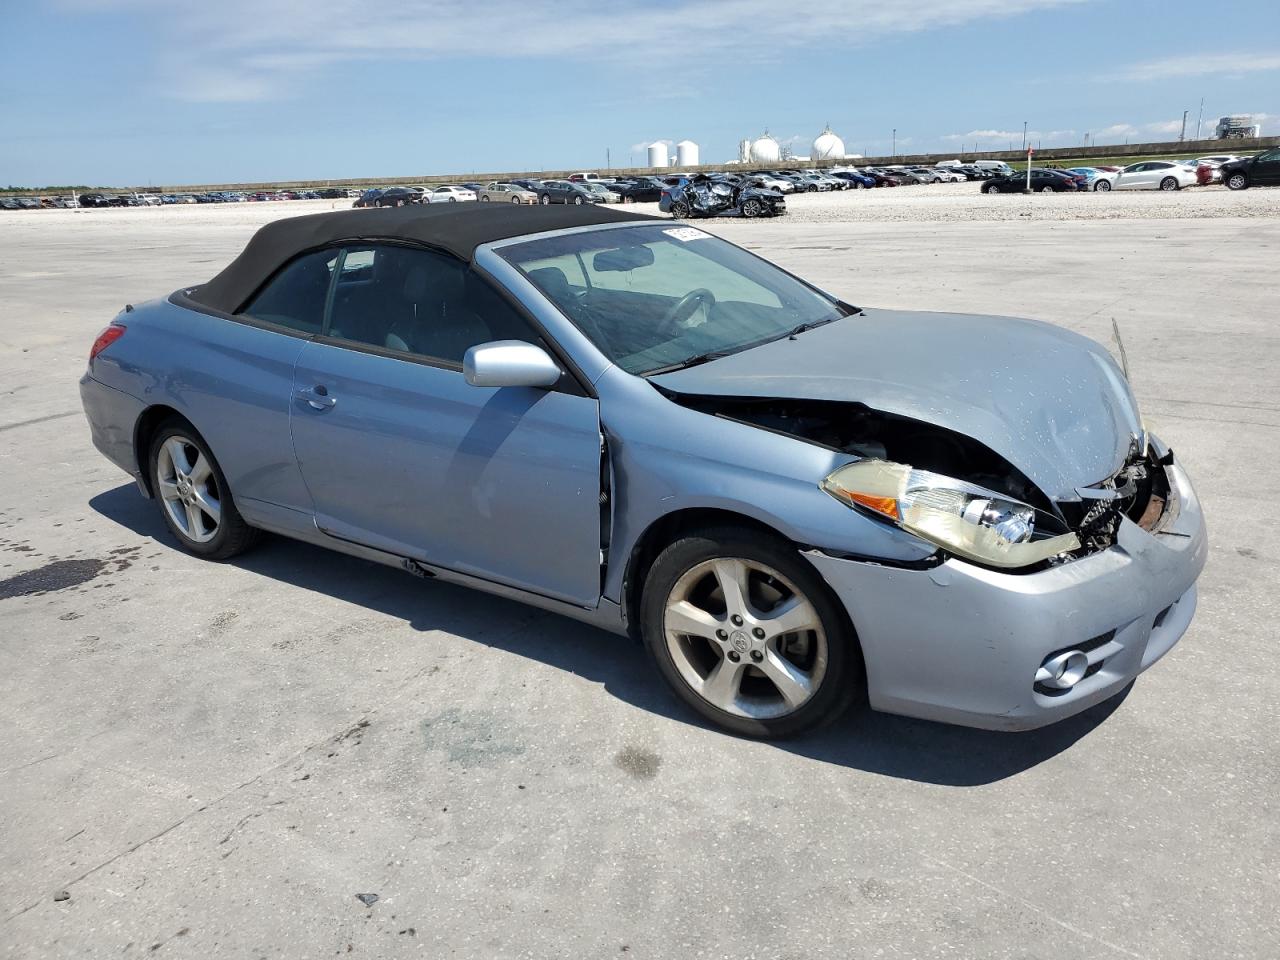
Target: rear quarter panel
point(231, 380)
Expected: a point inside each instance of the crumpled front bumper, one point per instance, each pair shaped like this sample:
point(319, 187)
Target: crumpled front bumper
point(962, 644)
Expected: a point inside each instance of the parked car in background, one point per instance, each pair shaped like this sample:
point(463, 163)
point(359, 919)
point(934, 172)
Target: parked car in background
point(797, 502)
point(949, 175)
point(450, 193)
point(92, 200)
point(397, 197)
point(367, 199)
point(604, 191)
point(1043, 180)
point(1155, 175)
point(774, 182)
point(1260, 171)
point(506, 193)
point(708, 196)
point(566, 191)
point(641, 190)
point(10, 203)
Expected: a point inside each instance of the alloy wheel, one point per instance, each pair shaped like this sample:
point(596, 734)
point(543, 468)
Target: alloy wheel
point(189, 489)
point(744, 638)
point(1168, 183)
point(1236, 181)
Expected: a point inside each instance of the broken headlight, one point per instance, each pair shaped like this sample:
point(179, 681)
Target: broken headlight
point(968, 520)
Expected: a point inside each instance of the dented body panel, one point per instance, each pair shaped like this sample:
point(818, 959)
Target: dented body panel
point(1053, 403)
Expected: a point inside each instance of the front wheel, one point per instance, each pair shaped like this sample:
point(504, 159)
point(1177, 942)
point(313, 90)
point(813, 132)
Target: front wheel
point(1102, 186)
point(1046, 189)
point(751, 208)
point(577, 201)
point(484, 199)
point(1169, 183)
point(680, 210)
point(513, 199)
point(545, 199)
point(193, 495)
point(1237, 181)
point(748, 635)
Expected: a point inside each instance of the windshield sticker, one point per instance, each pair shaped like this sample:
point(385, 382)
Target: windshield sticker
point(685, 234)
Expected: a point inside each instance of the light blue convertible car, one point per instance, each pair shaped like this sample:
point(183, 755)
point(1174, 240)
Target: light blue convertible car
point(792, 501)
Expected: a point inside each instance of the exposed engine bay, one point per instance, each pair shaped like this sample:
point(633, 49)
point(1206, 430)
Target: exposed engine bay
point(1139, 491)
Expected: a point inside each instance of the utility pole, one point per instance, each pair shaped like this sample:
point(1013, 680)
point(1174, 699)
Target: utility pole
point(1183, 135)
point(895, 142)
point(608, 162)
point(1024, 135)
point(1200, 118)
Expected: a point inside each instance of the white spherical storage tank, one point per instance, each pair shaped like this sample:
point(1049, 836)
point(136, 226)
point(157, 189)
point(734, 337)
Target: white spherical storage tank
point(686, 154)
point(827, 146)
point(658, 155)
point(765, 150)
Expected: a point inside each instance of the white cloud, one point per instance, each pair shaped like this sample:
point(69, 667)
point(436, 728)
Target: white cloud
point(1117, 130)
point(1200, 65)
point(258, 49)
point(1165, 126)
point(1007, 135)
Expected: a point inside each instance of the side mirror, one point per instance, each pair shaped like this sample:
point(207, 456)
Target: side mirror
point(509, 363)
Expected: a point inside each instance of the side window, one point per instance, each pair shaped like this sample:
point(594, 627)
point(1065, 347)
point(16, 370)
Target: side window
point(1271, 156)
point(420, 302)
point(295, 297)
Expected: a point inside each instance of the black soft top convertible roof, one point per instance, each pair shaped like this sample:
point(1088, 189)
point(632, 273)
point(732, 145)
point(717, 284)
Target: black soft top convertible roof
point(456, 228)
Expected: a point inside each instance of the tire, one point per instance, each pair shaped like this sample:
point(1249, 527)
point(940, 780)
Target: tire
point(545, 199)
point(680, 210)
point(1169, 183)
point(825, 665)
point(453, 199)
point(1102, 186)
point(813, 188)
point(1237, 181)
point(186, 481)
point(751, 208)
point(484, 199)
point(513, 199)
point(577, 201)
point(1046, 189)
point(987, 188)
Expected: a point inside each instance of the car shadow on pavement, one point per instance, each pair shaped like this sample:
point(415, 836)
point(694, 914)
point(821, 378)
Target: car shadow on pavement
point(864, 740)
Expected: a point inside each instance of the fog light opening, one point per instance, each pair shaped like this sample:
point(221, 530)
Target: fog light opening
point(1064, 671)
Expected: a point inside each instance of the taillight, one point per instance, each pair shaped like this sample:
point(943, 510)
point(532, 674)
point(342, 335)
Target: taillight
point(106, 338)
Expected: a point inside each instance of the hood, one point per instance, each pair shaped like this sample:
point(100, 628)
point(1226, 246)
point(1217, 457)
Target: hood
point(1051, 402)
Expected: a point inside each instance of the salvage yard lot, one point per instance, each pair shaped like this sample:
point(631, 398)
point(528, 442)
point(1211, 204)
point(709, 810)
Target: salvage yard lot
point(215, 760)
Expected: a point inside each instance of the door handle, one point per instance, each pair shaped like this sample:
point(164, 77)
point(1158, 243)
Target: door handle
point(317, 396)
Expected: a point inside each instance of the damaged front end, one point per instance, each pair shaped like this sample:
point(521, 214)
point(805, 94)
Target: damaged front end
point(955, 492)
point(703, 196)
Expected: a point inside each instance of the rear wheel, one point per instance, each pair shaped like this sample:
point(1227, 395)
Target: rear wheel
point(545, 199)
point(577, 201)
point(1169, 183)
point(193, 495)
point(1046, 189)
point(748, 635)
point(1237, 181)
point(484, 199)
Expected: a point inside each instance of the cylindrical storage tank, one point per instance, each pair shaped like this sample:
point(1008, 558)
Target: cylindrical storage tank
point(765, 150)
point(744, 151)
point(686, 154)
point(658, 155)
point(827, 146)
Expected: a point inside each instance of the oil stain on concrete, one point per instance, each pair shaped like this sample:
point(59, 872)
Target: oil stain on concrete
point(471, 738)
point(58, 575)
point(638, 762)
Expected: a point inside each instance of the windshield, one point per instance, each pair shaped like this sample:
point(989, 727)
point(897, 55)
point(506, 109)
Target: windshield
point(656, 297)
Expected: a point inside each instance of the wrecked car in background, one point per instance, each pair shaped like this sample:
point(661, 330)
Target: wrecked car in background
point(793, 502)
point(705, 196)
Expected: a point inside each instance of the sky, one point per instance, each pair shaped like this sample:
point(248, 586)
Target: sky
point(137, 92)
